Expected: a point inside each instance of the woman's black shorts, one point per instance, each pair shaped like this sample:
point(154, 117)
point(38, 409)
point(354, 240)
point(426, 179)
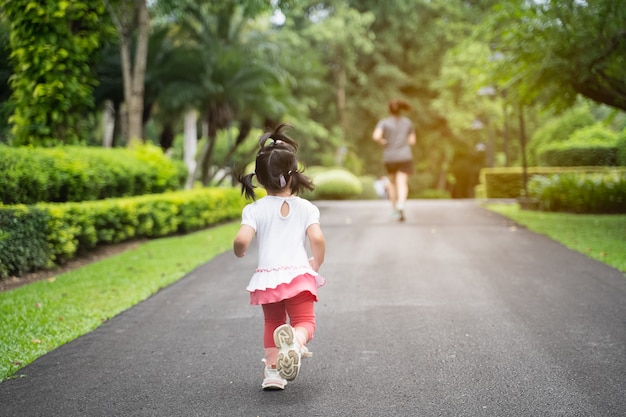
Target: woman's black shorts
point(402, 166)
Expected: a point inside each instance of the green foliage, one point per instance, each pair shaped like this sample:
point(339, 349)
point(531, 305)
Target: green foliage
point(549, 53)
point(593, 145)
point(581, 193)
point(6, 107)
point(368, 190)
point(621, 148)
point(507, 182)
point(23, 244)
point(72, 228)
point(333, 184)
point(558, 129)
point(53, 44)
point(76, 173)
point(568, 155)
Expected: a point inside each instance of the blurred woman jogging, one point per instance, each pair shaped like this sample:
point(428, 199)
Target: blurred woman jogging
point(397, 134)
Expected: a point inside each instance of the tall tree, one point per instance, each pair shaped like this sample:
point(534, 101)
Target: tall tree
point(131, 19)
point(554, 50)
point(53, 45)
point(343, 34)
point(237, 78)
point(5, 72)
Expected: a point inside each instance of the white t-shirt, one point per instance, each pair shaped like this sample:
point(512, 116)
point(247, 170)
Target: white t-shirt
point(281, 240)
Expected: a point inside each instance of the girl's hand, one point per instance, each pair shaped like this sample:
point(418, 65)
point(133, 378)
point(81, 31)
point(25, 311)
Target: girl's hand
point(314, 265)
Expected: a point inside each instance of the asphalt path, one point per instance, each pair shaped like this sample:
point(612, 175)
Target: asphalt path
point(455, 312)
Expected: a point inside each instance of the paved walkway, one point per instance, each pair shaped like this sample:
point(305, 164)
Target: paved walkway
point(455, 312)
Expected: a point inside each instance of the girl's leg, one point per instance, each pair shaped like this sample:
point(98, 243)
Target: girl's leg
point(275, 315)
point(301, 312)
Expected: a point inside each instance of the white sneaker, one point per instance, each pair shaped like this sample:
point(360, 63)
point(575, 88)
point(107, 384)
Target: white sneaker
point(289, 352)
point(272, 380)
point(306, 353)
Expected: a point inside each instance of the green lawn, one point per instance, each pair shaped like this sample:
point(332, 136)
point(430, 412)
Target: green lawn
point(601, 237)
point(39, 317)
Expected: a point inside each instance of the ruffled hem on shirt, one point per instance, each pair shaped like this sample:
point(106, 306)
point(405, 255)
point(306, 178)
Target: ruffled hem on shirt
point(267, 278)
point(299, 284)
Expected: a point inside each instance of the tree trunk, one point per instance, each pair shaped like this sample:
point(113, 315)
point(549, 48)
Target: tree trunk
point(108, 124)
point(124, 18)
point(340, 79)
point(135, 106)
point(190, 146)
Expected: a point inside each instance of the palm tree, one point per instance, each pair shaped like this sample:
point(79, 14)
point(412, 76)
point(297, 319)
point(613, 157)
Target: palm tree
point(239, 85)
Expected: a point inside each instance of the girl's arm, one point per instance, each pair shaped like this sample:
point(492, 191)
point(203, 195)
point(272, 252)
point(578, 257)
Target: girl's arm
point(318, 245)
point(242, 240)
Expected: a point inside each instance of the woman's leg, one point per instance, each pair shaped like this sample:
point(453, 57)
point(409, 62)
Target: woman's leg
point(402, 188)
point(392, 190)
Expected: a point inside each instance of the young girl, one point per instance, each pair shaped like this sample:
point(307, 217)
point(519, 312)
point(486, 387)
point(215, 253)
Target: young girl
point(286, 280)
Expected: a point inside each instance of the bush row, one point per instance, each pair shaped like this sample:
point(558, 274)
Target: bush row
point(507, 182)
point(75, 173)
point(580, 192)
point(570, 155)
point(47, 234)
point(594, 145)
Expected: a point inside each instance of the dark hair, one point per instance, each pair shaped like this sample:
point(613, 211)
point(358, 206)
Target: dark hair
point(397, 105)
point(276, 164)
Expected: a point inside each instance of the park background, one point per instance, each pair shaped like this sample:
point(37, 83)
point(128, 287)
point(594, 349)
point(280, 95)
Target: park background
point(122, 121)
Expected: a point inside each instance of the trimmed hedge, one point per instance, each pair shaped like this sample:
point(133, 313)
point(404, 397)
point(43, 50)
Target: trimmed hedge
point(48, 234)
point(580, 192)
point(594, 145)
point(333, 184)
point(23, 243)
point(78, 173)
point(568, 155)
point(506, 182)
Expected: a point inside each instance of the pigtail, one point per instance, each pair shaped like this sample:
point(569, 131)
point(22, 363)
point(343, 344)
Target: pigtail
point(247, 187)
point(300, 182)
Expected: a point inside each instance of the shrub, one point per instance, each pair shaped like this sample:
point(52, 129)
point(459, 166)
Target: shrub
point(506, 182)
point(621, 148)
point(34, 237)
point(593, 145)
point(23, 244)
point(333, 184)
point(368, 189)
point(75, 173)
point(559, 129)
point(581, 192)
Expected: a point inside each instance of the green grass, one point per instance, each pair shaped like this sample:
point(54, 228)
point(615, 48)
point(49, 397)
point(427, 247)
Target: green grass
point(39, 317)
point(601, 237)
